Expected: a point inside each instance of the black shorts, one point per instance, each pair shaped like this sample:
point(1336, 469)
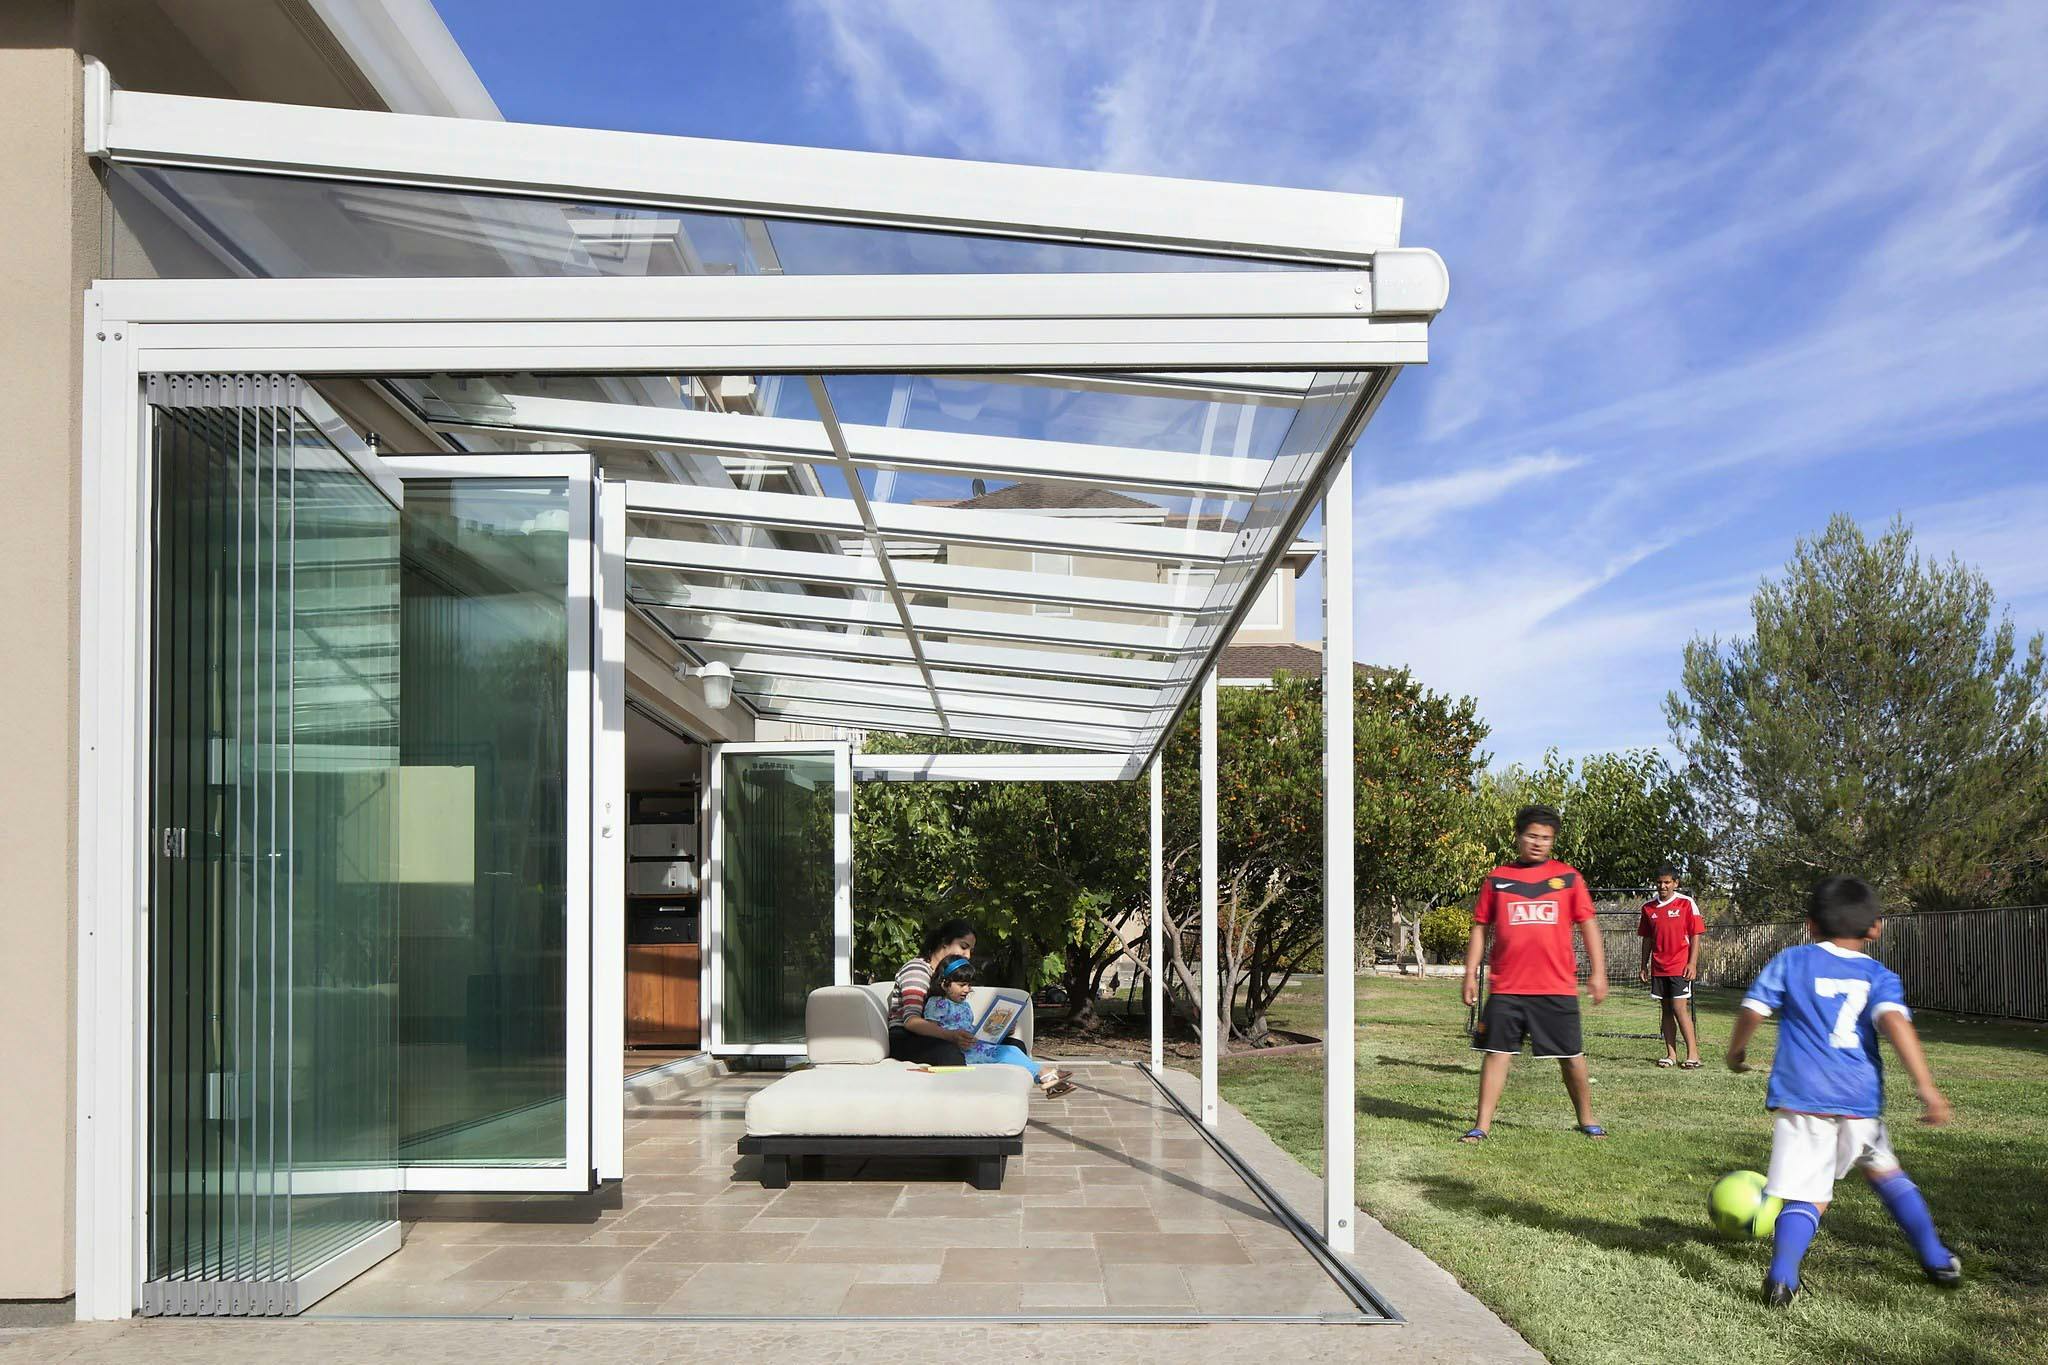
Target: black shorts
point(922, 1048)
point(1671, 987)
point(1549, 1022)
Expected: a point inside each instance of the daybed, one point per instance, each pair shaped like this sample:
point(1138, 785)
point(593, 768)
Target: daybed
point(854, 1100)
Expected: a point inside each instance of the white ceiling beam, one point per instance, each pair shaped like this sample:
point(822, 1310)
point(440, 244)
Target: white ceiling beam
point(1175, 473)
point(953, 580)
point(1093, 208)
point(977, 727)
point(947, 525)
point(856, 612)
point(1028, 686)
point(1318, 320)
point(878, 546)
point(795, 691)
point(1078, 664)
point(1258, 388)
point(993, 768)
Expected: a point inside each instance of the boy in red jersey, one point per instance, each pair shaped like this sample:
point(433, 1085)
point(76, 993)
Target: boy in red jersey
point(1530, 906)
point(1671, 927)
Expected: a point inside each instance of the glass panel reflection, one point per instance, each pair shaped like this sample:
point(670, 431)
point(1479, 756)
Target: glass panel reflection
point(192, 223)
point(485, 879)
point(778, 868)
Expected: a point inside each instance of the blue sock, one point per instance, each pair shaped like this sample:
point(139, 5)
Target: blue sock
point(1798, 1221)
point(1908, 1208)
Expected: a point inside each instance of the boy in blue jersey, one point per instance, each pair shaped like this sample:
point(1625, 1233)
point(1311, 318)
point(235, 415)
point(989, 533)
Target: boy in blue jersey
point(1827, 1083)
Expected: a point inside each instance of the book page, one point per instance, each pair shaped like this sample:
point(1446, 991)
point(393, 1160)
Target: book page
point(1002, 1016)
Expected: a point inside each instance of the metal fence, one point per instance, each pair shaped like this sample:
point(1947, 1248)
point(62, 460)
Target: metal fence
point(1989, 962)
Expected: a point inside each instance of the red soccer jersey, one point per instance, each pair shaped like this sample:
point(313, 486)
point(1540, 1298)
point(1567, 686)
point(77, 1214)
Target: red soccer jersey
point(1670, 925)
point(1532, 910)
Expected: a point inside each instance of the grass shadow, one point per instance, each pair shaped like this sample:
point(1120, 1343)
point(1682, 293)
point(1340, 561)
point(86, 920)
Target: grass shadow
point(1444, 1068)
point(1381, 1108)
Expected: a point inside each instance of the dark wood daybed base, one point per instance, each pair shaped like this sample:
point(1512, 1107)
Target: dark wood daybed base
point(989, 1156)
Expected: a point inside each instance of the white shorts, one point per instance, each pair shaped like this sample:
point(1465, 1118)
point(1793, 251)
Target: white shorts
point(1810, 1152)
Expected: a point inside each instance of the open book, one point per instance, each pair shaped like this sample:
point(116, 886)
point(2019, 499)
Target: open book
point(999, 1018)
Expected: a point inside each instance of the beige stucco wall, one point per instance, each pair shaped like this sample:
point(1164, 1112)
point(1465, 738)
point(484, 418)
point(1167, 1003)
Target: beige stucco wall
point(51, 220)
point(48, 216)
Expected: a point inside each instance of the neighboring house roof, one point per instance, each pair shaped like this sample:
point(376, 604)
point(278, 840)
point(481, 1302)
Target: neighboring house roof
point(1055, 497)
point(1258, 663)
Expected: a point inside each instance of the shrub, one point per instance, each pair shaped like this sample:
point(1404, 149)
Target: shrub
point(1445, 932)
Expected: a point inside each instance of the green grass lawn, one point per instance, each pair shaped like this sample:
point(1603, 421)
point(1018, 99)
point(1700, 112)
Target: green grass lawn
point(1600, 1252)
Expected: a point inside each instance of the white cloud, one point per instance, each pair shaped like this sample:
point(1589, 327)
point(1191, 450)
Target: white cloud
point(1714, 267)
point(1421, 507)
point(1999, 534)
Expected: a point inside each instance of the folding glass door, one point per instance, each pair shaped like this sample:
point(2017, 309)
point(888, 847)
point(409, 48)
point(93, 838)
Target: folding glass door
point(274, 889)
point(493, 1052)
point(780, 890)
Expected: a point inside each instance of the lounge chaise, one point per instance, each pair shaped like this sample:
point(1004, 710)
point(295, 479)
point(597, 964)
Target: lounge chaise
point(855, 1100)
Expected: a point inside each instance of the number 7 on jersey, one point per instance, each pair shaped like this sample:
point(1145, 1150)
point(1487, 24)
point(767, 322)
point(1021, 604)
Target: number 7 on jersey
point(1854, 992)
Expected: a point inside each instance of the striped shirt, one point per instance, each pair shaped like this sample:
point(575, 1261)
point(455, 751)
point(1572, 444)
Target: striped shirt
point(913, 984)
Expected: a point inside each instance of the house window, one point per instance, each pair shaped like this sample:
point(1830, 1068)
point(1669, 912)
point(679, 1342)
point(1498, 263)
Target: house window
point(1061, 566)
point(1266, 613)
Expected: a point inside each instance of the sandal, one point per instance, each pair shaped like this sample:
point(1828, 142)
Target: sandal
point(1693, 1065)
point(1667, 1061)
point(1592, 1130)
point(1059, 1088)
point(1474, 1135)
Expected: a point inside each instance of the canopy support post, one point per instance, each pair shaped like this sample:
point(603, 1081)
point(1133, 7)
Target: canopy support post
point(1156, 996)
point(1211, 1035)
point(1340, 1079)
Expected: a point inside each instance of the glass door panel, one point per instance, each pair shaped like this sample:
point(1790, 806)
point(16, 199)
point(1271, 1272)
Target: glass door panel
point(273, 907)
point(494, 1018)
point(781, 909)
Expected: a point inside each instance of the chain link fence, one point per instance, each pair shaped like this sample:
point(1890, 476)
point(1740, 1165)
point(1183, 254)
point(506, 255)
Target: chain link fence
point(1989, 962)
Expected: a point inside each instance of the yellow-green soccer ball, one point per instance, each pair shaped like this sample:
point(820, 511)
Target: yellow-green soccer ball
point(1737, 1206)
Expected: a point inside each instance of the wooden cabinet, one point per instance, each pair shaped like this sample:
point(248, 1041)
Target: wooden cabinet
point(661, 994)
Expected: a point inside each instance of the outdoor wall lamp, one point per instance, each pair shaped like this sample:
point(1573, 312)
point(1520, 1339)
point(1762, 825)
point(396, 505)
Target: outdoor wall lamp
point(717, 680)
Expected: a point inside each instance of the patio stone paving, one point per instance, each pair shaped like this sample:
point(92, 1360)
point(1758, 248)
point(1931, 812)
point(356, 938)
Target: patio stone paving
point(461, 1321)
point(1116, 1205)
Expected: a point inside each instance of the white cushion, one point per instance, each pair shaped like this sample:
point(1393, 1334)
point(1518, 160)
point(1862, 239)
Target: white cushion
point(843, 1024)
point(889, 1099)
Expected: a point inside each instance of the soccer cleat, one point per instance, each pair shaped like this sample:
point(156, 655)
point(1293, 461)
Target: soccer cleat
point(1778, 1295)
point(1948, 1276)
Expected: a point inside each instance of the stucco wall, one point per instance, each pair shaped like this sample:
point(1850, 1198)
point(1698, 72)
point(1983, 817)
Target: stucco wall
point(48, 218)
point(51, 217)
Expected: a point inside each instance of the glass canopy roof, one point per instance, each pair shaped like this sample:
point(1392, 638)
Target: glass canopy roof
point(1049, 556)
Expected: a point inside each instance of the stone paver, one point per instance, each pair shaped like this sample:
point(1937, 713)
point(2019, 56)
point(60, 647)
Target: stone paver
point(1111, 1177)
point(1113, 1174)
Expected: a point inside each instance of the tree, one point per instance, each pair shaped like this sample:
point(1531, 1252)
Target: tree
point(1420, 844)
point(1049, 873)
point(1624, 814)
point(1269, 804)
point(1416, 758)
point(1881, 720)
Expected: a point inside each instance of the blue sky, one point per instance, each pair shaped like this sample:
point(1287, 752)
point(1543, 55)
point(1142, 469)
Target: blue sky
point(1717, 272)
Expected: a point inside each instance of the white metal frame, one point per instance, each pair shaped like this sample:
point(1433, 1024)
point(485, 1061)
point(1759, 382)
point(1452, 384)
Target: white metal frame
point(777, 323)
point(1212, 1035)
point(1156, 936)
point(907, 448)
point(608, 871)
point(911, 521)
point(712, 994)
point(864, 571)
point(1253, 335)
point(1088, 207)
point(991, 768)
point(586, 731)
point(1340, 1021)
